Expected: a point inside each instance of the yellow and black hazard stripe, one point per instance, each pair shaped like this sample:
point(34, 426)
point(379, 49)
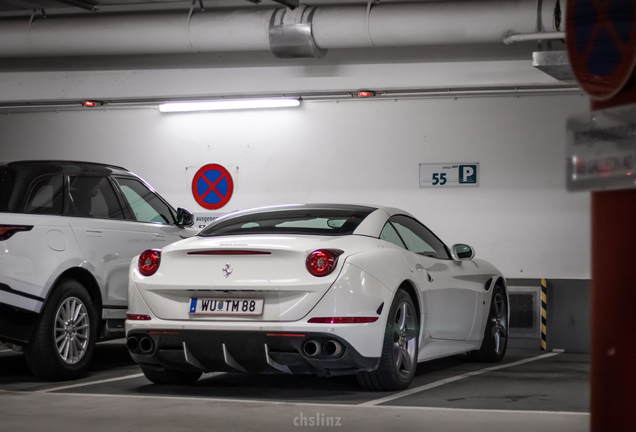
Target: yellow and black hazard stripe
point(544, 313)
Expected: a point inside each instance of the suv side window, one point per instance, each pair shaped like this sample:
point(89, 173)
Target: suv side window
point(145, 204)
point(46, 196)
point(93, 197)
point(418, 238)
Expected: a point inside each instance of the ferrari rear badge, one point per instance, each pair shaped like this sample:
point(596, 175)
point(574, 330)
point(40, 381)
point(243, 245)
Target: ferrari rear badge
point(227, 270)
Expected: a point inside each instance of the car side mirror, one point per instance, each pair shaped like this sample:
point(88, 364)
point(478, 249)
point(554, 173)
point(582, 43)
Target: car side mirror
point(462, 252)
point(185, 218)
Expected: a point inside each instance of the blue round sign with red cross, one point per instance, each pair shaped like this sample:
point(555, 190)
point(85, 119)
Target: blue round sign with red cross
point(601, 41)
point(212, 186)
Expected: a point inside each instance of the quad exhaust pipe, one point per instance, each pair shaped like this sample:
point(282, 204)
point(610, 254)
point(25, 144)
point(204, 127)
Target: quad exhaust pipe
point(312, 348)
point(133, 344)
point(146, 345)
point(143, 345)
point(330, 348)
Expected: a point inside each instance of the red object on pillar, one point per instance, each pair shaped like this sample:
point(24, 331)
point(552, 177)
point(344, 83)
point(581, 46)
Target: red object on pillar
point(601, 40)
point(613, 311)
point(626, 96)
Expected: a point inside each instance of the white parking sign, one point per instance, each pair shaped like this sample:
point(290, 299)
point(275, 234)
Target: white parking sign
point(449, 174)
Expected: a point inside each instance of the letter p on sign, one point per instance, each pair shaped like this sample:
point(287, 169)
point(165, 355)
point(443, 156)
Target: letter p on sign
point(467, 174)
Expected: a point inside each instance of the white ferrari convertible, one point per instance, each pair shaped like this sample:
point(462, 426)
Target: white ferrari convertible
point(313, 289)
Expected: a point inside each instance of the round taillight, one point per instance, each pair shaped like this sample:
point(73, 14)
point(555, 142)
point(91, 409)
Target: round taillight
point(149, 262)
point(321, 262)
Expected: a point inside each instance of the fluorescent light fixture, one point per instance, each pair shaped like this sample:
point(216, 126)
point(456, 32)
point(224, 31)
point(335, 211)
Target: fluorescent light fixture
point(229, 104)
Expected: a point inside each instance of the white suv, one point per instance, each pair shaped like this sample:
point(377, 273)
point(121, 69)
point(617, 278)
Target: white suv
point(68, 233)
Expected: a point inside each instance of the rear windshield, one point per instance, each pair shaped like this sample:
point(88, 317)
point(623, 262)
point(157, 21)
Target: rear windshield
point(327, 222)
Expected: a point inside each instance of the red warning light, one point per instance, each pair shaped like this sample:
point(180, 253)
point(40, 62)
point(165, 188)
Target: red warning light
point(366, 94)
point(92, 103)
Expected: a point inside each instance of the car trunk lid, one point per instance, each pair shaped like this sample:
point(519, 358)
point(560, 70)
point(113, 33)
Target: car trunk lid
point(269, 268)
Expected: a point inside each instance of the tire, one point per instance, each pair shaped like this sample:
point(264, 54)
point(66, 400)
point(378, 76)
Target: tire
point(171, 376)
point(493, 346)
point(64, 338)
point(399, 350)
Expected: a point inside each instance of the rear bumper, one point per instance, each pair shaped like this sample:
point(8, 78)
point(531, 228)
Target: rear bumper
point(16, 325)
point(246, 351)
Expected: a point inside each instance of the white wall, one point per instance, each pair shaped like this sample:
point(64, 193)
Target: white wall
point(220, 74)
point(520, 218)
point(184, 83)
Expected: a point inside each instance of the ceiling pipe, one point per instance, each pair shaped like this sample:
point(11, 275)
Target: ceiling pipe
point(373, 25)
point(431, 23)
point(80, 4)
point(290, 34)
point(522, 37)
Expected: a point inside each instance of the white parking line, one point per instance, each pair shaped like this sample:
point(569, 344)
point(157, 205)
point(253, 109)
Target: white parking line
point(70, 386)
point(89, 383)
point(316, 404)
point(371, 403)
point(452, 379)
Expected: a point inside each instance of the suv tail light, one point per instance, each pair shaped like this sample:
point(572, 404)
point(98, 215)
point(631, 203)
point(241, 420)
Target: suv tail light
point(6, 231)
point(321, 262)
point(138, 317)
point(149, 261)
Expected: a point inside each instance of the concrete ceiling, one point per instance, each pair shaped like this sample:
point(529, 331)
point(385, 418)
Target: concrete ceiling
point(13, 6)
point(173, 76)
point(21, 7)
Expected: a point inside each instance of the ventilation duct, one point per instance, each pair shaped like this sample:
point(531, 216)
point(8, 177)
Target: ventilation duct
point(554, 63)
point(303, 32)
point(290, 34)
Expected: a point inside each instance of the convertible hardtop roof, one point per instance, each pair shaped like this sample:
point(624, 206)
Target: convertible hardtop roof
point(375, 217)
point(70, 166)
point(316, 206)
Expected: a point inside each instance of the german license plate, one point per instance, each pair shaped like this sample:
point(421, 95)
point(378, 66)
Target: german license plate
point(225, 306)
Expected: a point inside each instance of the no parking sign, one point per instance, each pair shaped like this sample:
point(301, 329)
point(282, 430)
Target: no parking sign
point(212, 186)
point(601, 40)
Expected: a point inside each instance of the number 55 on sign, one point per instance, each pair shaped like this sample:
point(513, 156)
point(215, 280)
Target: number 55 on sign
point(440, 175)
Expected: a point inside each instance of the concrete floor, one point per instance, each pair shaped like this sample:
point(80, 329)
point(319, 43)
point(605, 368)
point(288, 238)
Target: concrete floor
point(529, 391)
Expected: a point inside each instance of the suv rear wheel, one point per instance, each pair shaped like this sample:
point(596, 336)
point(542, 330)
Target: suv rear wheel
point(64, 338)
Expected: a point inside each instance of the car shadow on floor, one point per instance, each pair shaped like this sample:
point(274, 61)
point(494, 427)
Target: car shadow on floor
point(13, 367)
point(275, 387)
point(292, 388)
point(112, 360)
point(109, 358)
point(111, 355)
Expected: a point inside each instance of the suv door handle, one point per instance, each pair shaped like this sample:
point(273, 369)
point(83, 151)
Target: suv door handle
point(158, 237)
point(419, 267)
point(94, 233)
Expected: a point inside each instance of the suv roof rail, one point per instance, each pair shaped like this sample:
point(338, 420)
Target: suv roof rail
point(68, 162)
